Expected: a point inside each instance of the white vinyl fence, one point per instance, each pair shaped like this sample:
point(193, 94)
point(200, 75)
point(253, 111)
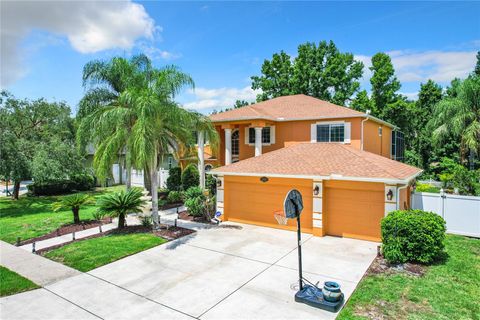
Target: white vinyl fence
point(137, 176)
point(462, 213)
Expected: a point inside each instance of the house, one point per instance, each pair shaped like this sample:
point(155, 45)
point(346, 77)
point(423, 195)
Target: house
point(341, 160)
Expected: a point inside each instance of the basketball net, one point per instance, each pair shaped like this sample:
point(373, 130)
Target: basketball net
point(280, 217)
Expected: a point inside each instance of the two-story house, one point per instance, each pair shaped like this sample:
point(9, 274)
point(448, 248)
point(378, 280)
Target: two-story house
point(341, 160)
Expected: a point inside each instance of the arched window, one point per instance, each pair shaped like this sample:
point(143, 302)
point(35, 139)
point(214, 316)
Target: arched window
point(235, 145)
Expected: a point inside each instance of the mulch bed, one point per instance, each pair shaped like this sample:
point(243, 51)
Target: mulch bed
point(184, 215)
point(167, 232)
point(381, 266)
point(171, 205)
point(68, 229)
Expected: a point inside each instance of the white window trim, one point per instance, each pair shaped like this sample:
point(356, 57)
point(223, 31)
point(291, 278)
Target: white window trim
point(272, 136)
point(346, 133)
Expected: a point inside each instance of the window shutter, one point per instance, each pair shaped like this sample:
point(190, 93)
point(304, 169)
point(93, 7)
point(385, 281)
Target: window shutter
point(313, 132)
point(348, 130)
point(246, 134)
point(272, 134)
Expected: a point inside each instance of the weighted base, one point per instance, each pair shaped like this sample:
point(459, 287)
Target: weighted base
point(313, 296)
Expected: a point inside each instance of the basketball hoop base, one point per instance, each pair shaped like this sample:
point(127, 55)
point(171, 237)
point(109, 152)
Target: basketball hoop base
point(313, 296)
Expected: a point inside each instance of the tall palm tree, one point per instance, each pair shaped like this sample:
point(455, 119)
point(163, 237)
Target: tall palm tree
point(106, 112)
point(460, 115)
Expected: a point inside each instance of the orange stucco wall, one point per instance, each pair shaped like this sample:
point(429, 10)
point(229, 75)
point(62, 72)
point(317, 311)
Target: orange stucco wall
point(287, 133)
point(375, 143)
point(249, 200)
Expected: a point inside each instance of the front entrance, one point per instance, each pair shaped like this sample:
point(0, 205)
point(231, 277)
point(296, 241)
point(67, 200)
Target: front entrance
point(235, 145)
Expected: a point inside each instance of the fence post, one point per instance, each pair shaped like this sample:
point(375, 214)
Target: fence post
point(442, 199)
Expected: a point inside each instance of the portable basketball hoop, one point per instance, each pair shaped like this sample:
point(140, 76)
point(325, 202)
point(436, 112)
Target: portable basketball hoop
point(330, 298)
point(280, 217)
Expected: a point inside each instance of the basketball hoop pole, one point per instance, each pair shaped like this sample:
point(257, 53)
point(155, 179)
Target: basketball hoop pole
point(299, 246)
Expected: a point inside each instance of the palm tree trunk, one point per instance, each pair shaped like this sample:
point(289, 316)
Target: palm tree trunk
point(128, 166)
point(147, 180)
point(16, 189)
point(76, 215)
point(154, 182)
point(121, 221)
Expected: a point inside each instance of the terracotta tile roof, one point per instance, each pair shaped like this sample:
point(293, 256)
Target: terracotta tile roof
point(334, 160)
point(296, 107)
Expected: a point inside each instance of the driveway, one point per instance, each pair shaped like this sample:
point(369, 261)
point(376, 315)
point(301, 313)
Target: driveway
point(234, 271)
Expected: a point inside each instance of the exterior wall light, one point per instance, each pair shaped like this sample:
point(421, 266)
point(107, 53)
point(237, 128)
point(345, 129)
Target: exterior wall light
point(219, 183)
point(390, 195)
point(316, 190)
point(264, 179)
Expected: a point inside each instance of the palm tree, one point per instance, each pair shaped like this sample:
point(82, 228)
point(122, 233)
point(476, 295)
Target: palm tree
point(73, 202)
point(119, 204)
point(460, 116)
point(106, 112)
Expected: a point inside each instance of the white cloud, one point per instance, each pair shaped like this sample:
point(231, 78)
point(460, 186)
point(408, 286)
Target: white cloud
point(440, 66)
point(89, 27)
point(410, 95)
point(220, 98)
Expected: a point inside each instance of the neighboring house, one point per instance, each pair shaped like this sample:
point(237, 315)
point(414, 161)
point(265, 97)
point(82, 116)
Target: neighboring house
point(338, 158)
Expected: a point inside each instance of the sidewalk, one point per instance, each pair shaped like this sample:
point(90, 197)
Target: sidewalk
point(40, 270)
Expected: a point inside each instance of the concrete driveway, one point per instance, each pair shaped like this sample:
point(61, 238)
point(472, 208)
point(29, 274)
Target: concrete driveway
point(231, 272)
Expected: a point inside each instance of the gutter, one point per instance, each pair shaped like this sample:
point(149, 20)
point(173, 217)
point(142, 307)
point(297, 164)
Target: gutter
point(363, 121)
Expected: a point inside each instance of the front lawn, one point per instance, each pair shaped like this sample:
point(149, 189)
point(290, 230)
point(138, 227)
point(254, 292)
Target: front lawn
point(89, 254)
point(12, 283)
point(30, 217)
point(448, 290)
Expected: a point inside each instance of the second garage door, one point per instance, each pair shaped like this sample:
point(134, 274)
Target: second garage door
point(249, 200)
point(354, 209)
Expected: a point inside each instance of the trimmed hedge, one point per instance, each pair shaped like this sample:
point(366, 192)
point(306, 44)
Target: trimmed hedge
point(412, 236)
point(80, 182)
point(190, 177)
point(174, 180)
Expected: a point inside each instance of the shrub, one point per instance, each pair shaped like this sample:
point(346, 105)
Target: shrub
point(146, 221)
point(174, 180)
point(195, 201)
point(174, 197)
point(423, 187)
point(80, 182)
point(190, 177)
point(211, 184)
point(83, 182)
point(412, 236)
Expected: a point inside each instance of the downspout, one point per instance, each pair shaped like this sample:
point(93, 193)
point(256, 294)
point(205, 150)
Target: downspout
point(398, 196)
point(363, 121)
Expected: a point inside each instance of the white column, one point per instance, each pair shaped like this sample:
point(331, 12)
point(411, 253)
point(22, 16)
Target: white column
point(258, 141)
point(201, 158)
point(228, 146)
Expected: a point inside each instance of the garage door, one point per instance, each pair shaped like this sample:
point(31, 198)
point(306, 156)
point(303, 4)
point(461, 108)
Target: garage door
point(353, 209)
point(248, 200)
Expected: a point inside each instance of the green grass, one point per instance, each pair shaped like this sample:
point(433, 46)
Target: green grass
point(448, 290)
point(30, 217)
point(423, 187)
point(12, 283)
point(92, 253)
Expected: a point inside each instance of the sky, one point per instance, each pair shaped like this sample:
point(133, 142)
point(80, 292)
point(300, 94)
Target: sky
point(45, 44)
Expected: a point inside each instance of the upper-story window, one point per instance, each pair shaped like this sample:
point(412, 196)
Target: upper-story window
point(268, 135)
point(331, 132)
point(398, 145)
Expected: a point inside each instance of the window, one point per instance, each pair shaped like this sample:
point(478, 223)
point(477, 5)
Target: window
point(170, 162)
point(235, 143)
point(398, 146)
point(266, 135)
point(331, 132)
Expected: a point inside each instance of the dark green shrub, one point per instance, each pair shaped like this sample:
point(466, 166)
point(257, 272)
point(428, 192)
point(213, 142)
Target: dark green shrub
point(83, 182)
point(174, 180)
point(174, 197)
point(412, 236)
point(195, 201)
point(80, 182)
point(211, 184)
point(190, 177)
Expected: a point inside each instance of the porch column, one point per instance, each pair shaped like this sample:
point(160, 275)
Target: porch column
point(258, 141)
point(228, 146)
point(201, 158)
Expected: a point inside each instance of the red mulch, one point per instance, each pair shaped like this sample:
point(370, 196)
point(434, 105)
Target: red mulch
point(381, 266)
point(168, 232)
point(184, 215)
point(69, 228)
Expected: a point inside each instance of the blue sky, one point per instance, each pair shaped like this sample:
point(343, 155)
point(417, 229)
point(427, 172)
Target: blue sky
point(221, 44)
